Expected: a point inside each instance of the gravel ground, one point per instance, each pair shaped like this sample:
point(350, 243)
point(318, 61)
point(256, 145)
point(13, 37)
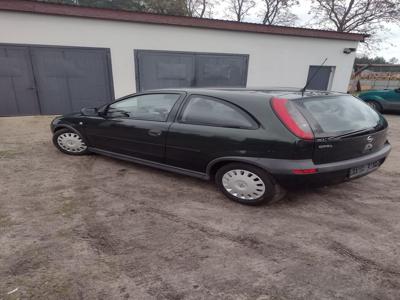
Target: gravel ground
point(97, 228)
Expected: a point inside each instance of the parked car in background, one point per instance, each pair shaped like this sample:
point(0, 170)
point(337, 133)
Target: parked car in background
point(382, 100)
point(247, 141)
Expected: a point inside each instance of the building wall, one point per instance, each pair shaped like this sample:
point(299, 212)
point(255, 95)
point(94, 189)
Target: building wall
point(274, 60)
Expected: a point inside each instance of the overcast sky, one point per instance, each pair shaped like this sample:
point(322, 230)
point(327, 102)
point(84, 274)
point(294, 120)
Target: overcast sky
point(389, 50)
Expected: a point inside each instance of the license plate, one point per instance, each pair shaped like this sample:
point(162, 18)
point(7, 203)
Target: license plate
point(358, 171)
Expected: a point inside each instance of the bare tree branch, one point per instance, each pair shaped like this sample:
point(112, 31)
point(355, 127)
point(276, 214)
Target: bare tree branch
point(355, 15)
point(277, 12)
point(200, 8)
point(240, 8)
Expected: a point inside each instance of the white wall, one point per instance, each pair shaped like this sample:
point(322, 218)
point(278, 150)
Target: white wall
point(274, 60)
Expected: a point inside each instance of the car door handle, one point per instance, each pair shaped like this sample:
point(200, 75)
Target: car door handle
point(154, 132)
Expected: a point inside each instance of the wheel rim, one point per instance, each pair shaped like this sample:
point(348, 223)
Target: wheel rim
point(71, 142)
point(243, 184)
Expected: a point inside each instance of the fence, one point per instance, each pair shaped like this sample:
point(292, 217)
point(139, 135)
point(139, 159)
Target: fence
point(376, 77)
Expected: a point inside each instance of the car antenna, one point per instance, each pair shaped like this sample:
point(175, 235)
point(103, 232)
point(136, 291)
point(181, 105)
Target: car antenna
point(312, 77)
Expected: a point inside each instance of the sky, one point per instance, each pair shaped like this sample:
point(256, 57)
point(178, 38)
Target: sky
point(388, 50)
point(392, 35)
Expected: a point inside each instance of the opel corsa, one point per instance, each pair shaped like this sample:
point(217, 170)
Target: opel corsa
point(247, 141)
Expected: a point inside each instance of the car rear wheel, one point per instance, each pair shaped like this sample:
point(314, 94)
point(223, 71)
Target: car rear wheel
point(69, 142)
point(374, 105)
point(245, 183)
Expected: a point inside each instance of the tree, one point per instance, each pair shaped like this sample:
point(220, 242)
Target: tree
point(355, 15)
point(370, 60)
point(276, 12)
point(240, 8)
point(135, 5)
point(375, 60)
point(196, 8)
point(166, 7)
point(200, 8)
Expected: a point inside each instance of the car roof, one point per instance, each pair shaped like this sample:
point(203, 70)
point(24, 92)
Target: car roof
point(241, 95)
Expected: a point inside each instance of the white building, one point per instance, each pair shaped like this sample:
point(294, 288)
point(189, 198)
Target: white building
point(57, 58)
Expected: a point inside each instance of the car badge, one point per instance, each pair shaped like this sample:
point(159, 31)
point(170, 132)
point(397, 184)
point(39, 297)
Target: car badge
point(368, 147)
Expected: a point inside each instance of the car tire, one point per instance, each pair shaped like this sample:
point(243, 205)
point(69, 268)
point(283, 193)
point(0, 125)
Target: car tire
point(70, 142)
point(245, 184)
point(374, 105)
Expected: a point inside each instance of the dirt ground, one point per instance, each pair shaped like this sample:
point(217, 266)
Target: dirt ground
point(97, 228)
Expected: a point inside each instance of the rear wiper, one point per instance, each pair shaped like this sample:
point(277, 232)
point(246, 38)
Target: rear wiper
point(303, 90)
point(350, 134)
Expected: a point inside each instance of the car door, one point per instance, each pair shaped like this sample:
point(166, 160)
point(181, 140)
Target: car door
point(136, 125)
point(208, 128)
point(393, 97)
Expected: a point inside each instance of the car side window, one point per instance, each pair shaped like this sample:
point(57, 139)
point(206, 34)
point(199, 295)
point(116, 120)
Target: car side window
point(204, 110)
point(150, 107)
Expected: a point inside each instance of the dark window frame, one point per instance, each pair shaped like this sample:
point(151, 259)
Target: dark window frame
point(170, 113)
point(136, 54)
point(241, 111)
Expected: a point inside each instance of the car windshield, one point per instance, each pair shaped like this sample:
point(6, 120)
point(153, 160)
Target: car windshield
point(331, 116)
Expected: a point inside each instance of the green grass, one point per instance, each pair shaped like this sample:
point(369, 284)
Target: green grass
point(8, 154)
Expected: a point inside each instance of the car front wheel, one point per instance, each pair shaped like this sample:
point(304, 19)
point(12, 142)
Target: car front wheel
point(245, 183)
point(69, 142)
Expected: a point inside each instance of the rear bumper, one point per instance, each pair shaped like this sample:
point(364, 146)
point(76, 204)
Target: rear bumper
point(326, 173)
point(286, 167)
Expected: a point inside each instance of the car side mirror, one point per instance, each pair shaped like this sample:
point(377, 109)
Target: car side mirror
point(89, 112)
point(102, 110)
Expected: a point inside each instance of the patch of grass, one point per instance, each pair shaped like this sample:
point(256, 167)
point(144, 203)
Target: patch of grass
point(4, 154)
point(46, 286)
point(67, 208)
point(5, 221)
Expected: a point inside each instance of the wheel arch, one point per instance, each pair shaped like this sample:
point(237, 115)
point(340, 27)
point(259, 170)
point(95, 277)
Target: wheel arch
point(64, 126)
point(70, 127)
point(218, 163)
point(379, 102)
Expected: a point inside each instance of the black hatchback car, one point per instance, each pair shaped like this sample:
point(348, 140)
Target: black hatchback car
point(248, 141)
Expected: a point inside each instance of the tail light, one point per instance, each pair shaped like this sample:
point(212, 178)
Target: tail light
point(304, 171)
point(292, 118)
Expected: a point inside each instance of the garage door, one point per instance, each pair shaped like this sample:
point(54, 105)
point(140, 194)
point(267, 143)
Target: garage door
point(17, 84)
point(165, 69)
point(53, 80)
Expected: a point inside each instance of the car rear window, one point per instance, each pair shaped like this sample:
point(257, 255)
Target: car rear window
point(339, 115)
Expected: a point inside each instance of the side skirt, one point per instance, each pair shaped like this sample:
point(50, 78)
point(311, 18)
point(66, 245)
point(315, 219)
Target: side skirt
point(149, 163)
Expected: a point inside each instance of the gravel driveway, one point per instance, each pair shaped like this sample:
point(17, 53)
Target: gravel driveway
point(97, 228)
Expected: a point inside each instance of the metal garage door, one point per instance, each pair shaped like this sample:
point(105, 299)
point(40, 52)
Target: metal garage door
point(17, 85)
point(53, 80)
point(165, 69)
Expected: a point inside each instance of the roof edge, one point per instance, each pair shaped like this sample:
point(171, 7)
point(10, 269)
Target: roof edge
point(379, 65)
point(139, 17)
